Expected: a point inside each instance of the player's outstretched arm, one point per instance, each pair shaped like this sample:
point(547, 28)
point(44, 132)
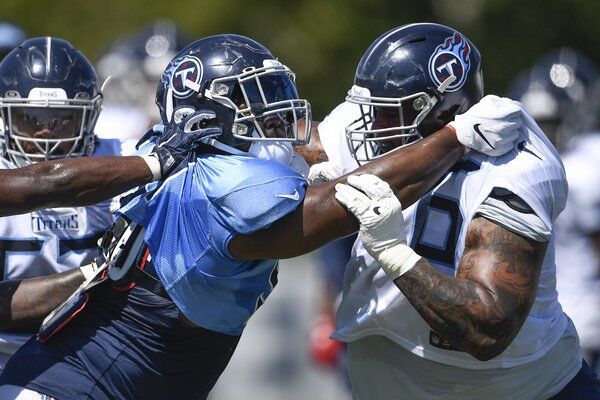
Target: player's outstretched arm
point(411, 172)
point(491, 126)
point(89, 180)
point(27, 301)
point(69, 182)
point(482, 309)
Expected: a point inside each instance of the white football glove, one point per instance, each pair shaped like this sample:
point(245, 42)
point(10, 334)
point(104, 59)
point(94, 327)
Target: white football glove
point(490, 126)
point(379, 213)
point(324, 172)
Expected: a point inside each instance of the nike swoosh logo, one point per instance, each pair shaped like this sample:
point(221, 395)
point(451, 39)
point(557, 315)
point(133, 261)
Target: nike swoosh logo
point(295, 196)
point(521, 146)
point(476, 128)
point(376, 210)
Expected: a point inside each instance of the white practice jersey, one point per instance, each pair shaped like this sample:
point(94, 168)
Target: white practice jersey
point(577, 263)
point(55, 240)
point(436, 228)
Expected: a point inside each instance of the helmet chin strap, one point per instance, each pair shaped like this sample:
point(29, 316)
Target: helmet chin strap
point(223, 147)
point(443, 87)
point(272, 151)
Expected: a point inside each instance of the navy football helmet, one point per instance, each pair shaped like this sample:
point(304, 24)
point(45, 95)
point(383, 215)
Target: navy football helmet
point(409, 83)
point(561, 92)
point(253, 94)
point(49, 102)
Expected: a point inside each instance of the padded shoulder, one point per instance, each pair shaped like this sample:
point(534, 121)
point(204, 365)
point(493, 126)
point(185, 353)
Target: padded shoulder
point(249, 194)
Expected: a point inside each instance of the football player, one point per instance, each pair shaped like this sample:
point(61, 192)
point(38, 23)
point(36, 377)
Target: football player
point(203, 246)
point(455, 296)
point(49, 103)
point(562, 91)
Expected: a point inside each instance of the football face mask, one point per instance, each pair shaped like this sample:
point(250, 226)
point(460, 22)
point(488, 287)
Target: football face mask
point(266, 104)
point(385, 123)
point(40, 131)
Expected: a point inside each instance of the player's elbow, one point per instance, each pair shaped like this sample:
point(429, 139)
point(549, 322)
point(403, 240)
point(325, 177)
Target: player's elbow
point(494, 343)
point(488, 352)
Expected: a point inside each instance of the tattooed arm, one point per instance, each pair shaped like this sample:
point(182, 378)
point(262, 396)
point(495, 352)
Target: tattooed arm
point(27, 301)
point(313, 152)
point(481, 310)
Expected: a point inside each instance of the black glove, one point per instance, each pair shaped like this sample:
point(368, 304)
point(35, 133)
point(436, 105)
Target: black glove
point(178, 140)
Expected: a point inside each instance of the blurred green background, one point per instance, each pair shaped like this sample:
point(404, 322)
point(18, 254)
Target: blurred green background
point(323, 40)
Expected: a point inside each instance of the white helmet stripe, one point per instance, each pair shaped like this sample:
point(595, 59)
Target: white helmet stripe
point(48, 52)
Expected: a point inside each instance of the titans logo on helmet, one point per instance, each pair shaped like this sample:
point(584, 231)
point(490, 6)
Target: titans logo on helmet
point(451, 58)
point(184, 75)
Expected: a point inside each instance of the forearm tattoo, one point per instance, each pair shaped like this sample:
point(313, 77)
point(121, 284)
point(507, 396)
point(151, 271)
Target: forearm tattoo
point(482, 309)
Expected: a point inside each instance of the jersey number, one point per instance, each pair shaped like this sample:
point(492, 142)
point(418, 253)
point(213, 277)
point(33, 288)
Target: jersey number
point(437, 227)
point(35, 246)
point(438, 222)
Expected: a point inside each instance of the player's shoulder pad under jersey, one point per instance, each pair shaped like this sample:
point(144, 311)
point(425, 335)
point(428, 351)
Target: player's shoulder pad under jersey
point(113, 147)
point(533, 171)
point(250, 193)
point(511, 200)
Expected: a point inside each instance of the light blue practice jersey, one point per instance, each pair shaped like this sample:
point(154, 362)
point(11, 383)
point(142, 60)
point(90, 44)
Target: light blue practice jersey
point(192, 217)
